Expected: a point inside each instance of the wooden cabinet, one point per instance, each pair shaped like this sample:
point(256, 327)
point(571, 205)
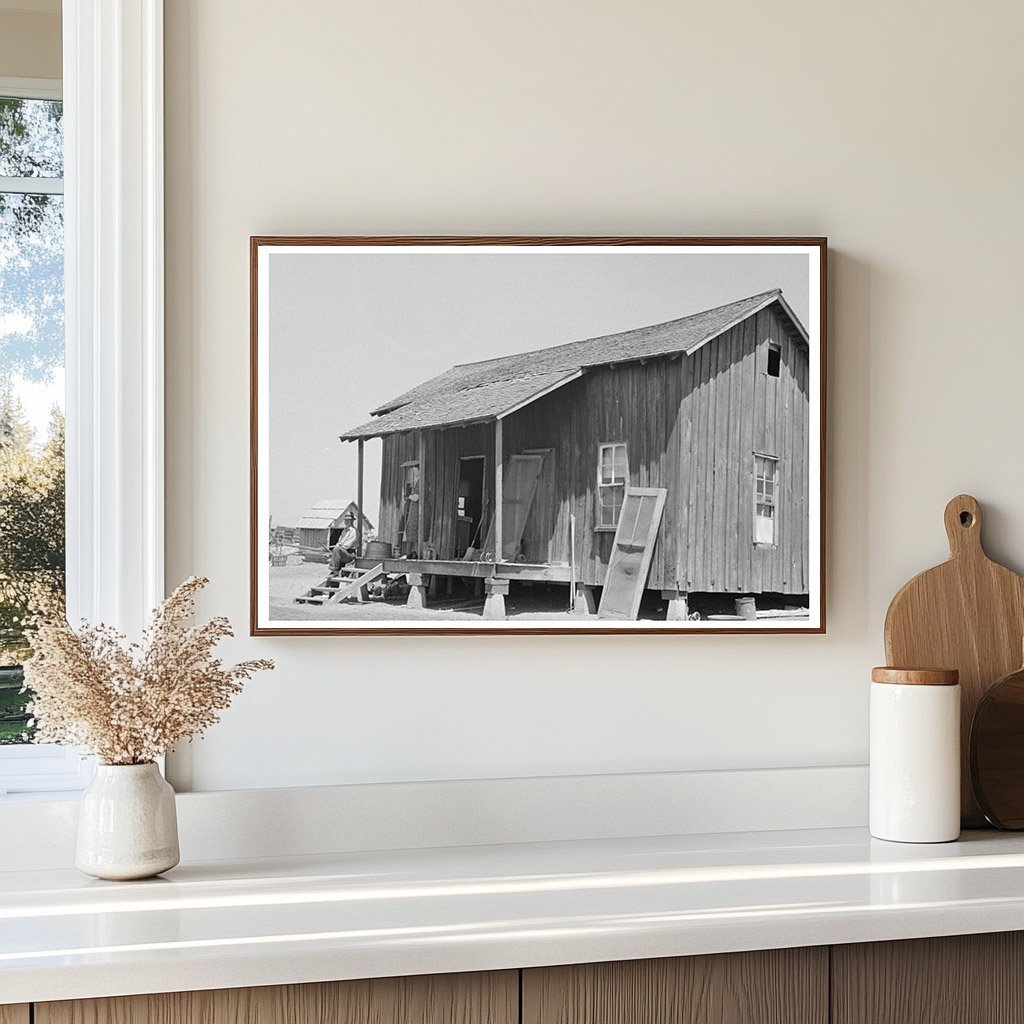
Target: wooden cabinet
point(964, 979)
point(972, 979)
point(491, 998)
point(781, 986)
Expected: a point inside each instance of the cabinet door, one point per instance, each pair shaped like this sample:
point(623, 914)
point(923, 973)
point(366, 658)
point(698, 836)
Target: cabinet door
point(781, 986)
point(14, 1014)
point(963, 979)
point(434, 999)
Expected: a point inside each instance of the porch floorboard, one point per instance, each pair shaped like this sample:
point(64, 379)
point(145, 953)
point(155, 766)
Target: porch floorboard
point(472, 570)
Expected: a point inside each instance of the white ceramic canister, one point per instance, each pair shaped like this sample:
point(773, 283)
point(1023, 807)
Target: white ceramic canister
point(915, 755)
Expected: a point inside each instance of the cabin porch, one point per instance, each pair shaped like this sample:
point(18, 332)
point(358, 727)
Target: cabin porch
point(470, 570)
point(494, 577)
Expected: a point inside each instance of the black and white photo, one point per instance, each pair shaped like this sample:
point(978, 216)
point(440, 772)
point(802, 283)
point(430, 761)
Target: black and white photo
point(535, 435)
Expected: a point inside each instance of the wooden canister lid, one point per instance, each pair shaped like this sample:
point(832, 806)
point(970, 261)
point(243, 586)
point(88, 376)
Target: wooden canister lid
point(916, 676)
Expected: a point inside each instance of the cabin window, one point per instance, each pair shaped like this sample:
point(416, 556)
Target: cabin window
point(612, 481)
point(766, 472)
point(774, 360)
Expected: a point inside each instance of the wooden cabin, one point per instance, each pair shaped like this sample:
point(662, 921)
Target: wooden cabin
point(497, 456)
point(319, 529)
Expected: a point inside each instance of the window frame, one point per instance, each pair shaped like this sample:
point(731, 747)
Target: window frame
point(49, 89)
point(599, 526)
point(773, 504)
point(774, 349)
point(38, 768)
point(112, 89)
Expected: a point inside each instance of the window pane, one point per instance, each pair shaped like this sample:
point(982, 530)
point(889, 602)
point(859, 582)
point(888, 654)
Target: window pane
point(31, 427)
point(764, 530)
point(31, 138)
point(609, 504)
point(621, 465)
point(606, 464)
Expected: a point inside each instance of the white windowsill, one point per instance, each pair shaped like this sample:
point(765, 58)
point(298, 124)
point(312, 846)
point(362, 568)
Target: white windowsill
point(42, 771)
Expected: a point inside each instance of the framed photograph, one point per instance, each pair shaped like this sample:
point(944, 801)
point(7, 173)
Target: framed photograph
point(537, 435)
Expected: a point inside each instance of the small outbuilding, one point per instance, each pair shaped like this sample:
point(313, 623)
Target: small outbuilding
point(319, 529)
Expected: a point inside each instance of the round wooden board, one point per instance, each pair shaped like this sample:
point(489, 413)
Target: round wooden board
point(997, 752)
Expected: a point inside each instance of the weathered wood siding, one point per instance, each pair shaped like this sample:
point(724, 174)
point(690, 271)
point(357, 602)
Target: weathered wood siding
point(692, 425)
point(439, 480)
point(630, 402)
point(313, 538)
point(734, 409)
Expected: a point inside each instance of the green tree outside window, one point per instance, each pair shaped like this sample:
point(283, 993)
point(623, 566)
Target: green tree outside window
point(31, 362)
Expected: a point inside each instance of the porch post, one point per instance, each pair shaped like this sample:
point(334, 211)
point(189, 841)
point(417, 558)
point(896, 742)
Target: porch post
point(494, 603)
point(678, 609)
point(359, 502)
point(498, 486)
point(420, 551)
point(584, 603)
point(417, 591)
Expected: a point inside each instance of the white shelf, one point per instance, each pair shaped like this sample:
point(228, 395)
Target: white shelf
point(352, 915)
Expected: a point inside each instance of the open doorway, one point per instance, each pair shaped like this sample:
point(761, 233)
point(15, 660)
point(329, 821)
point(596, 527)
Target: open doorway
point(472, 470)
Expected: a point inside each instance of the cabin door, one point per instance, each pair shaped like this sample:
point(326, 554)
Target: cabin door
point(470, 511)
point(519, 486)
point(540, 527)
point(409, 518)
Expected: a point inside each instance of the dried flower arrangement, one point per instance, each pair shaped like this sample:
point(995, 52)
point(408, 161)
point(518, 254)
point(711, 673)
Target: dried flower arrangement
point(130, 703)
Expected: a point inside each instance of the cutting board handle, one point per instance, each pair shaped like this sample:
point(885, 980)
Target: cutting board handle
point(963, 526)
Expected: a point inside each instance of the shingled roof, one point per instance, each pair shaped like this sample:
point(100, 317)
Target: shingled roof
point(475, 392)
point(327, 512)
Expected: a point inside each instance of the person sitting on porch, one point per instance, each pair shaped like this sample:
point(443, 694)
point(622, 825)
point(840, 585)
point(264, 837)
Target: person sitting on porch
point(342, 552)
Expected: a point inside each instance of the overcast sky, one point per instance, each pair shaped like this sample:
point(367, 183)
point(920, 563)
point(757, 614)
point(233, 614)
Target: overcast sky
point(350, 330)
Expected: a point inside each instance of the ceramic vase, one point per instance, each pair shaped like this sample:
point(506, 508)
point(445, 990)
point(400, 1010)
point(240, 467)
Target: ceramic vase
point(127, 825)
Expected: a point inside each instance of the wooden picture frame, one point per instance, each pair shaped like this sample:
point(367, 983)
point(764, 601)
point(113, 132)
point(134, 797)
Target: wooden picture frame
point(404, 392)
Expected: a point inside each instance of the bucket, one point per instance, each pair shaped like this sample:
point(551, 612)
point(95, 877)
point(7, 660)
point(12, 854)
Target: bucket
point(378, 549)
point(746, 607)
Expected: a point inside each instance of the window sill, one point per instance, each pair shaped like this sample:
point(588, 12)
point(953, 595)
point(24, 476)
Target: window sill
point(42, 771)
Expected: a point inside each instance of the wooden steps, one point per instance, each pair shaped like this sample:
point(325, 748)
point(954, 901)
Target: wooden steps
point(347, 582)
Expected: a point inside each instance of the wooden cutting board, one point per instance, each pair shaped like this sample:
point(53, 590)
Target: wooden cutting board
point(967, 614)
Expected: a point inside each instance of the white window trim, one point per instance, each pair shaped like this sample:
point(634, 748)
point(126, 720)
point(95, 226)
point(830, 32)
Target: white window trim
point(598, 527)
point(114, 322)
point(31, 88)
point(774, 459)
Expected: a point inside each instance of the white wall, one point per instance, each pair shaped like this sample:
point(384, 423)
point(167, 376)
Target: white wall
point(894, 129)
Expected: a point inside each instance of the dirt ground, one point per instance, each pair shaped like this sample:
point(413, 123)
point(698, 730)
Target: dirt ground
point(289, 581)
point(524, 602)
